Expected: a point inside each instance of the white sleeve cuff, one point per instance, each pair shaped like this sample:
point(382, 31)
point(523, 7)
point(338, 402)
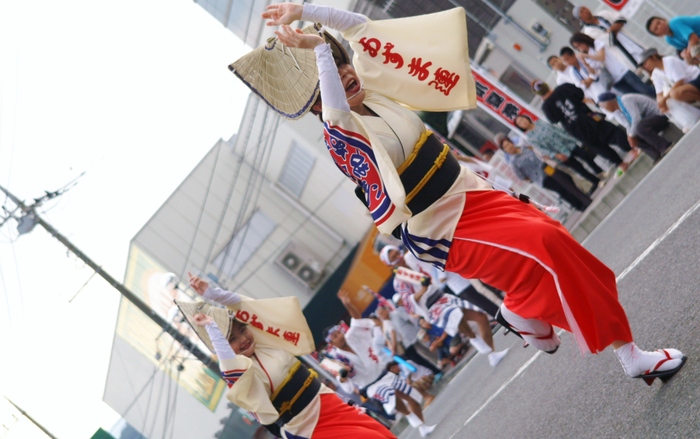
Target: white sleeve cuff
point(333, 18)
point(218, 295)
point(332, 91)
point(221, 345)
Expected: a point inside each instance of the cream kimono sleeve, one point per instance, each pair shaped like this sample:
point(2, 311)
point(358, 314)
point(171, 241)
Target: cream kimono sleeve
point(410, 61)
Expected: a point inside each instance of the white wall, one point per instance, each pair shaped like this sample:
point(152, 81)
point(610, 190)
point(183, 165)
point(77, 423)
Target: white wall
point(131, 383)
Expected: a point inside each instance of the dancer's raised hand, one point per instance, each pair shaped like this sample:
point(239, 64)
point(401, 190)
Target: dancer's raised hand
point(297, 38)
point(282, 13)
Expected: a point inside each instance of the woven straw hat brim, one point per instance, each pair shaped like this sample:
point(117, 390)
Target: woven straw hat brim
point(221, 316)
point(285, 78)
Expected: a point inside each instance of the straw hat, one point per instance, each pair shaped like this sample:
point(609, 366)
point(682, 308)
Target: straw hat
point(222, 316)
point(286, 78)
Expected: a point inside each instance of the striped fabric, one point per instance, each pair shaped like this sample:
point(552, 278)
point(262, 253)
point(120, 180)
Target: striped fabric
point(231, 376)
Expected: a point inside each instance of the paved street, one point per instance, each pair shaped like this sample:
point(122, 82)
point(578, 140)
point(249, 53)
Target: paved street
point(652, 242)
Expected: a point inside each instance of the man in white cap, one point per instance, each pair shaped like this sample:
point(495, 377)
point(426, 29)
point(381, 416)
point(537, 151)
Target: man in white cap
point(606, 23)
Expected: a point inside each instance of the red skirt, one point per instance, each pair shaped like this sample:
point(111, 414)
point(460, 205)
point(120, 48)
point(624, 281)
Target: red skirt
point(546, 274)
point(337, 419)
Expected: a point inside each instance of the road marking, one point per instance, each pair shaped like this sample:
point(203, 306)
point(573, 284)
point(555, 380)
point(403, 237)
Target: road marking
point(624, 273)
point(658, 241)
point(517, 374)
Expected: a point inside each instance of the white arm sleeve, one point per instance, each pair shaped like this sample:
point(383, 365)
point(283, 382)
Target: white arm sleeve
point(332, 91)
point(331, 17)
point(221, 345)
point(226, 298)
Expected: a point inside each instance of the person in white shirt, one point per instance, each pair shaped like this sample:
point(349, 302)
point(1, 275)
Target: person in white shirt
point(684, 79)
point(608, 24)
point(676, 84)
point(564, 74)
point(583, 76)
point(594, 52)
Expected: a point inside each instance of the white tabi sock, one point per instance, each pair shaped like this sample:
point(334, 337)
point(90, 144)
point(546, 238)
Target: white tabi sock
point(414, 420)
point(480, 345)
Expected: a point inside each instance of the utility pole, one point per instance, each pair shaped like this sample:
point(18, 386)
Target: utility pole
point(30, 218)
point(26, 415)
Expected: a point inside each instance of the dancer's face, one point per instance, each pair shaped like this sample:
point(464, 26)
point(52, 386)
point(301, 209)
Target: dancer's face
point(337, 338)
point(241, 339)
point(354, 92)
point(394, 256)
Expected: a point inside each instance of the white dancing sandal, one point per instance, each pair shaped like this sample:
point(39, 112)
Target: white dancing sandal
point(662, 364)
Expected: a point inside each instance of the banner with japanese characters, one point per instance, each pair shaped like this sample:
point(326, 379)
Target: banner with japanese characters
point(420, 61)
point(503, 105)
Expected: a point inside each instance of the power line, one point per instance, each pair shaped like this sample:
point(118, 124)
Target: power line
point(27, 222)
point(236, 174)
point(257, 170)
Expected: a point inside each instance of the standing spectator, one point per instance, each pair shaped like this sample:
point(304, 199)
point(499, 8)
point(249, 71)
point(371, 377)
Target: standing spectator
point(563, 70)
point(623, 79)
point(527, 166)
point(641, 117)
point(554, 142)
point(565, 105)
point(680, 32)
point(608, 24)
point(583, 76)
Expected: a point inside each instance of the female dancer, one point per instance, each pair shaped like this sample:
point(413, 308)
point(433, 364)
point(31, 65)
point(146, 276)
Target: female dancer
point(256, 342)
point(449, 217)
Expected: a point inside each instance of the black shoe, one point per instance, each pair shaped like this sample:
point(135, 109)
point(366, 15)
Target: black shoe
point(500, 319)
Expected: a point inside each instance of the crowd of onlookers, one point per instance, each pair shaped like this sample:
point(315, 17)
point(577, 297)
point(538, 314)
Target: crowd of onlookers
point(613, 98)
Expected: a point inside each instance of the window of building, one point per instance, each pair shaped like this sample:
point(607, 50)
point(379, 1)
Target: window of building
point(296, 171)
point(518, 82)
point(245, 242)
